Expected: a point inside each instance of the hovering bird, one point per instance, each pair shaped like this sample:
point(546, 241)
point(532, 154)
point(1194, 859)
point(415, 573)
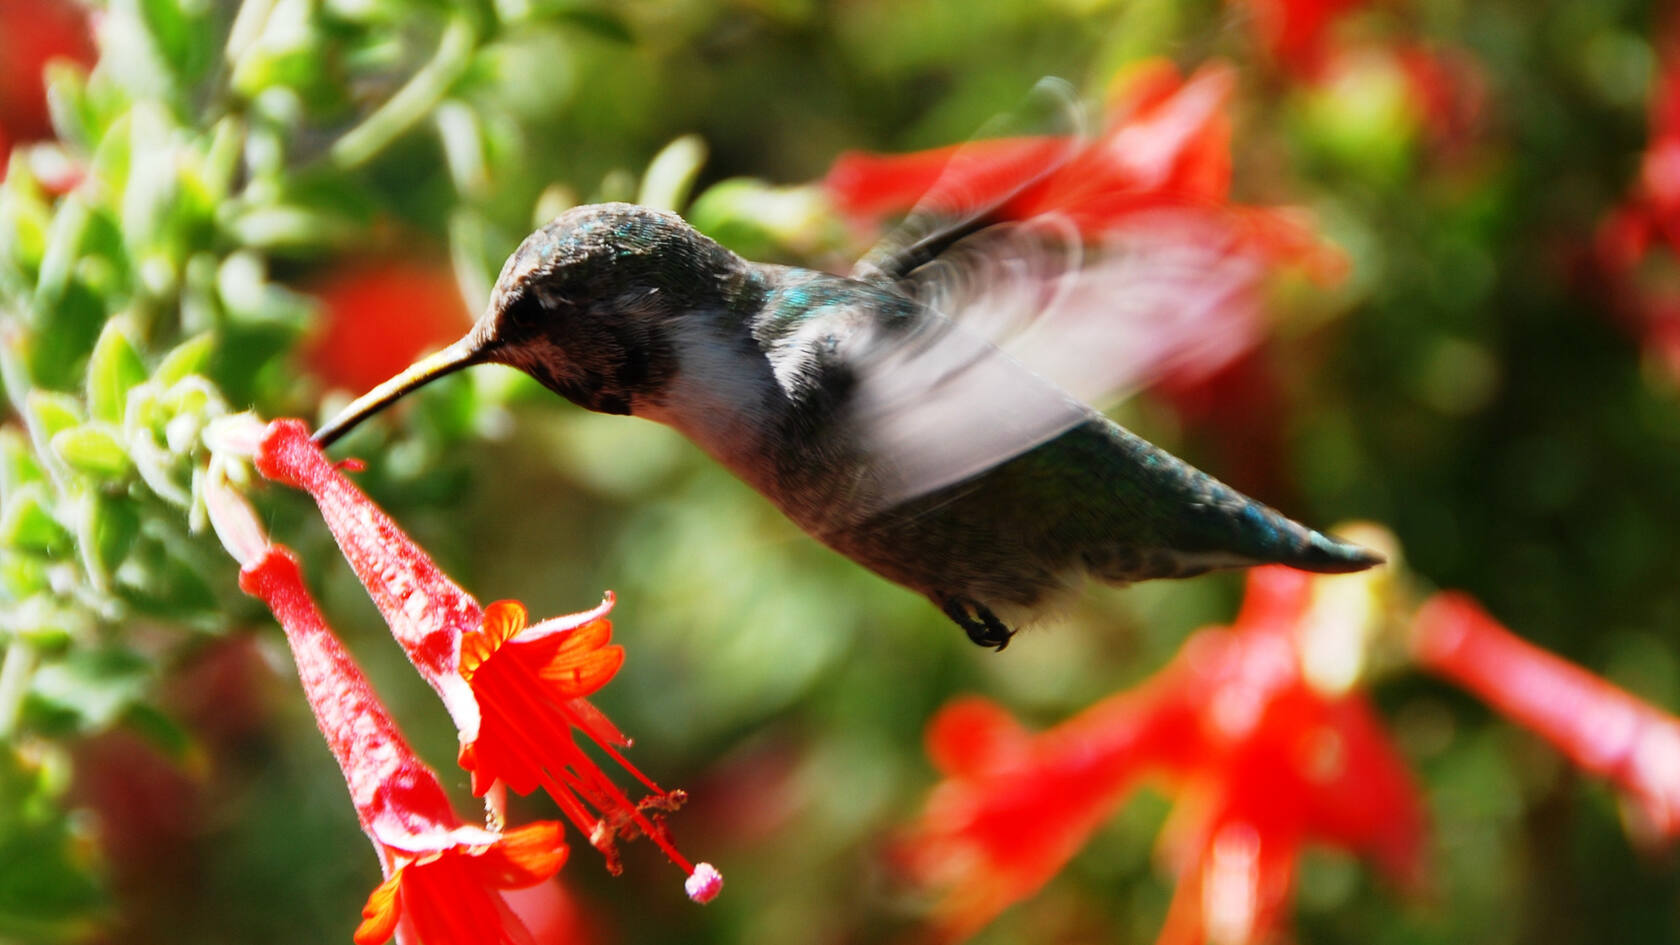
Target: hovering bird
point(922, 416)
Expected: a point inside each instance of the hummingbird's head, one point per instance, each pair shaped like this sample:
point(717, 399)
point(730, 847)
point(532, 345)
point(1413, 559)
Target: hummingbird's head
point(591, 305)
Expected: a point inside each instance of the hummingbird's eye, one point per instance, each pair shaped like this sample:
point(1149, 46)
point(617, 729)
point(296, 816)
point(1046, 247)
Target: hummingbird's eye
point(524, 314)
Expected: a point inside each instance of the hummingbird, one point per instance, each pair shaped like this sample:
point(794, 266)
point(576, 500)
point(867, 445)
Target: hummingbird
point(906, 415)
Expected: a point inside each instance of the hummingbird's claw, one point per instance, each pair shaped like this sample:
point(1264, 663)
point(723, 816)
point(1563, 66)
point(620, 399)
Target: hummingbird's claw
point(977, 620)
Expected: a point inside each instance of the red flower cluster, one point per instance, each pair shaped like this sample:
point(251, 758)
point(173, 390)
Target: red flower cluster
point(1263, 740)
point(1261, 762)
point(517, 695)
point(444, 878)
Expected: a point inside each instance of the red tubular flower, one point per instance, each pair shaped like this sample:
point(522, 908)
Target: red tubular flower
point(516, 694)
point(444, 879)
point(1166, 147)
point(1605, 730)
point(1261, 762)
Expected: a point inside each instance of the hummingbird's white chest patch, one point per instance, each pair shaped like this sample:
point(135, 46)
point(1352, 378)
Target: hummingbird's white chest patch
point(720, 396)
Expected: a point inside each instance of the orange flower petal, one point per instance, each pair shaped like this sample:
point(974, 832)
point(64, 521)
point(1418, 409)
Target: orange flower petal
point(379, 916)
point(526, 856)
point(502, 621)
point(590, 636)
point(583, 662)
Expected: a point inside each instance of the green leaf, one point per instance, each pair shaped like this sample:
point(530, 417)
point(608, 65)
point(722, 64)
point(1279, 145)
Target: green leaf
point(221, 157)
point(47, 888)
point(49, 413)
point(95, 449)
point(21, 577)
point(153, 187)
point(411, 103)
point(17, 462)
point(25, 221)
point(180, 32)
point(64, 246)
point(72, 325)
point(27, 523)
point(163, 732)
point(251, 299)
point(188, 357)
point(291, 228)
point(89, 690)
point(113, 369)
point(111, 158)
point(165, 584)
point(67, 102)
point(463, 147)
point(599, 23)
point(670, 175)
point(115, 526)
point(40, 618)
point(759, 220)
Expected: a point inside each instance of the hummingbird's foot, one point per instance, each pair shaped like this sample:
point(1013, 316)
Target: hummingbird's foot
point(981, 625)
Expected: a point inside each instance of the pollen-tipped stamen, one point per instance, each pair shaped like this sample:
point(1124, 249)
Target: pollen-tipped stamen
point(462, 354)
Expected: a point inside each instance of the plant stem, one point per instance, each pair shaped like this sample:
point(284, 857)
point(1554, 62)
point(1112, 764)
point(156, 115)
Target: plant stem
point(413, 101)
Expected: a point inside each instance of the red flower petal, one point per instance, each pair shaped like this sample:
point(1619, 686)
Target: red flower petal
point(1598, 726)
point(524, 856)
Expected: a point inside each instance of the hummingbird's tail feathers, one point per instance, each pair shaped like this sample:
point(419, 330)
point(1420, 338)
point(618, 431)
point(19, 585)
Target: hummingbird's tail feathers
point(1199, 523)
point(1236, 524)
point(1327, 554)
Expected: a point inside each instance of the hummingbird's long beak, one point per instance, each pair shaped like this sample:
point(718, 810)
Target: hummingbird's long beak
point(463, 353)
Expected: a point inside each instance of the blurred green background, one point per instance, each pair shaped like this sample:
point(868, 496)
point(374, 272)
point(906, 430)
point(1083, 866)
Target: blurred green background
point(1493, 381)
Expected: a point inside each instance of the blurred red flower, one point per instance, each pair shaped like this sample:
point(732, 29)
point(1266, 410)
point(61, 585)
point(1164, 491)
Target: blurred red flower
point(1165, 146)
point(1448, 89)
point(1637, 243)
point(1260, 761)
point(515, 693)
point(32, 34)
point(1601, 728)
point(378, 316)
point(1294, 32)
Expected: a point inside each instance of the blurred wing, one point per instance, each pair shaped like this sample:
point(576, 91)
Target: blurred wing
point(1009, 154)
point(1027, 326)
